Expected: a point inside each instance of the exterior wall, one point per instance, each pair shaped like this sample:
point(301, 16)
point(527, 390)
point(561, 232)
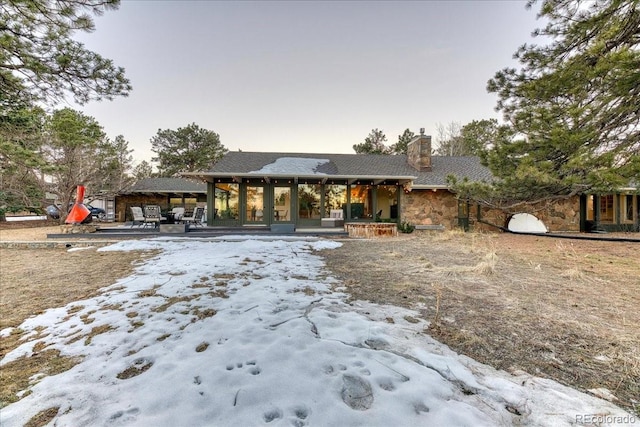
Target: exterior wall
point(610, 212)
point(428, 207)
point(123, 202)
point(559, 215)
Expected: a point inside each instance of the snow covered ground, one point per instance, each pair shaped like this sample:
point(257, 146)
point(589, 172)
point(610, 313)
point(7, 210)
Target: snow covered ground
point(246, 331)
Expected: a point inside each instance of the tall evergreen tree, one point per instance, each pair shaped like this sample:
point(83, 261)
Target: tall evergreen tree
point(115, 168)
point(400, 147)
point(575, 103)
point(143, 170)
point(187, 149)
point(76, 148)
point(39, 60)
point(374, 143)
point(21, 165)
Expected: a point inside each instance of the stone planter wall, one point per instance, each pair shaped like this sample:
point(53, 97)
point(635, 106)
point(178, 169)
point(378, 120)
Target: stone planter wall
point(371, 230)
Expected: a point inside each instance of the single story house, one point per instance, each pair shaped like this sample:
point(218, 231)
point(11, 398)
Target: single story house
point(262, 189)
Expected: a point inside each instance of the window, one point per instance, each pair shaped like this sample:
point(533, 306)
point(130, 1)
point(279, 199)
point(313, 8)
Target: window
point(589, 208)
point(387, 202)
point(606, 208)
point(361, 205)
point(281, 203)
point(335, 197)
point(626, 207)
point(309, 201)
point(255, 204)
point(226, 201)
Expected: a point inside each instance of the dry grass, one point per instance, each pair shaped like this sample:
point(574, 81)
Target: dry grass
point(561, 309)
point(33, 280)
point(43, 417)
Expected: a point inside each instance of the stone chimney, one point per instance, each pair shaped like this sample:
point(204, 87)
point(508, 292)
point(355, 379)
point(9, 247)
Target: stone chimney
point(419, 152)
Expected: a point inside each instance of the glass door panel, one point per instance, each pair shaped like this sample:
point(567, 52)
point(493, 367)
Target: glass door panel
point(309, 196)
point(281, 204)
point(386, 203)
point(226, 202)
point(255, 206)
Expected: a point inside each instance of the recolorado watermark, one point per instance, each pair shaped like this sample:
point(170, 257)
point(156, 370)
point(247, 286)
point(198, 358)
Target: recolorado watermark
point(602, 419)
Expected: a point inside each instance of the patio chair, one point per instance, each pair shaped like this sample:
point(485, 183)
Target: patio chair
point(138, 216)
point(196, 219)
point(178, 213)
point(153, 215)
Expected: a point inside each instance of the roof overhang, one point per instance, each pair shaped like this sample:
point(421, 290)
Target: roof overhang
point(373, 179)
point(163, 192)
point(429, 187)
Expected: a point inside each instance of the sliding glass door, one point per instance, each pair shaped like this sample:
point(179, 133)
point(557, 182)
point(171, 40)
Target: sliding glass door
point(255, 207)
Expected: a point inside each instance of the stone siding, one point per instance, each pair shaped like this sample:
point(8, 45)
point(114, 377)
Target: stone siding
point(428, 207)
point(440, 207)
point(559, 215)
point(419, 153)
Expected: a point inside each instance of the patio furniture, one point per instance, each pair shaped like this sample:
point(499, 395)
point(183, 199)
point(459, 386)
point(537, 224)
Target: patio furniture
point(153, 215)
point(335, 219)
point(138, 216)
point(280, 214)
point(196, 219)
point(178, 213)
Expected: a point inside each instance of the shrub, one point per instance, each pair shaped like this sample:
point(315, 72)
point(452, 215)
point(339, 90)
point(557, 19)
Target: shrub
point(405, 227)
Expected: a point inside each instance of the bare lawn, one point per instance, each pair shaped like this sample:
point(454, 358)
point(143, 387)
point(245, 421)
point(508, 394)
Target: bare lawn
point(557, 308)
point(563, 309)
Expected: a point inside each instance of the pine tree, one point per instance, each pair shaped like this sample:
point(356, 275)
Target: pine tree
point(574, 104)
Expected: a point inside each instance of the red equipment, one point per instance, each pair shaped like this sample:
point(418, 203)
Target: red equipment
point(79, 213)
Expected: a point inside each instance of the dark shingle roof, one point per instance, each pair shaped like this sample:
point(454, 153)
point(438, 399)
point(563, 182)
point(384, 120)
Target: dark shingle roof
point(459, 166)
point(168, 185)
point(235, 163)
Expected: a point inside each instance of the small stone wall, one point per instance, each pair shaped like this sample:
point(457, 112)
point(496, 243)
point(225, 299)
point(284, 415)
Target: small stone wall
point(557, 215)
point(174, 228)
point(440, 208)
point(77, 229)
point(371, 230)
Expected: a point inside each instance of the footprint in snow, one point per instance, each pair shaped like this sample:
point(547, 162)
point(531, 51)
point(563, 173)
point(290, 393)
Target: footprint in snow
point(300, 415)
point(298, 418)
point(271, 415)
point(386, 384)
point(124, 417)
point(356, 392)
point(252, 366)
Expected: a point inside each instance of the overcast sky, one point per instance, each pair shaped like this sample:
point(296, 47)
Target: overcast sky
point(304, 76)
